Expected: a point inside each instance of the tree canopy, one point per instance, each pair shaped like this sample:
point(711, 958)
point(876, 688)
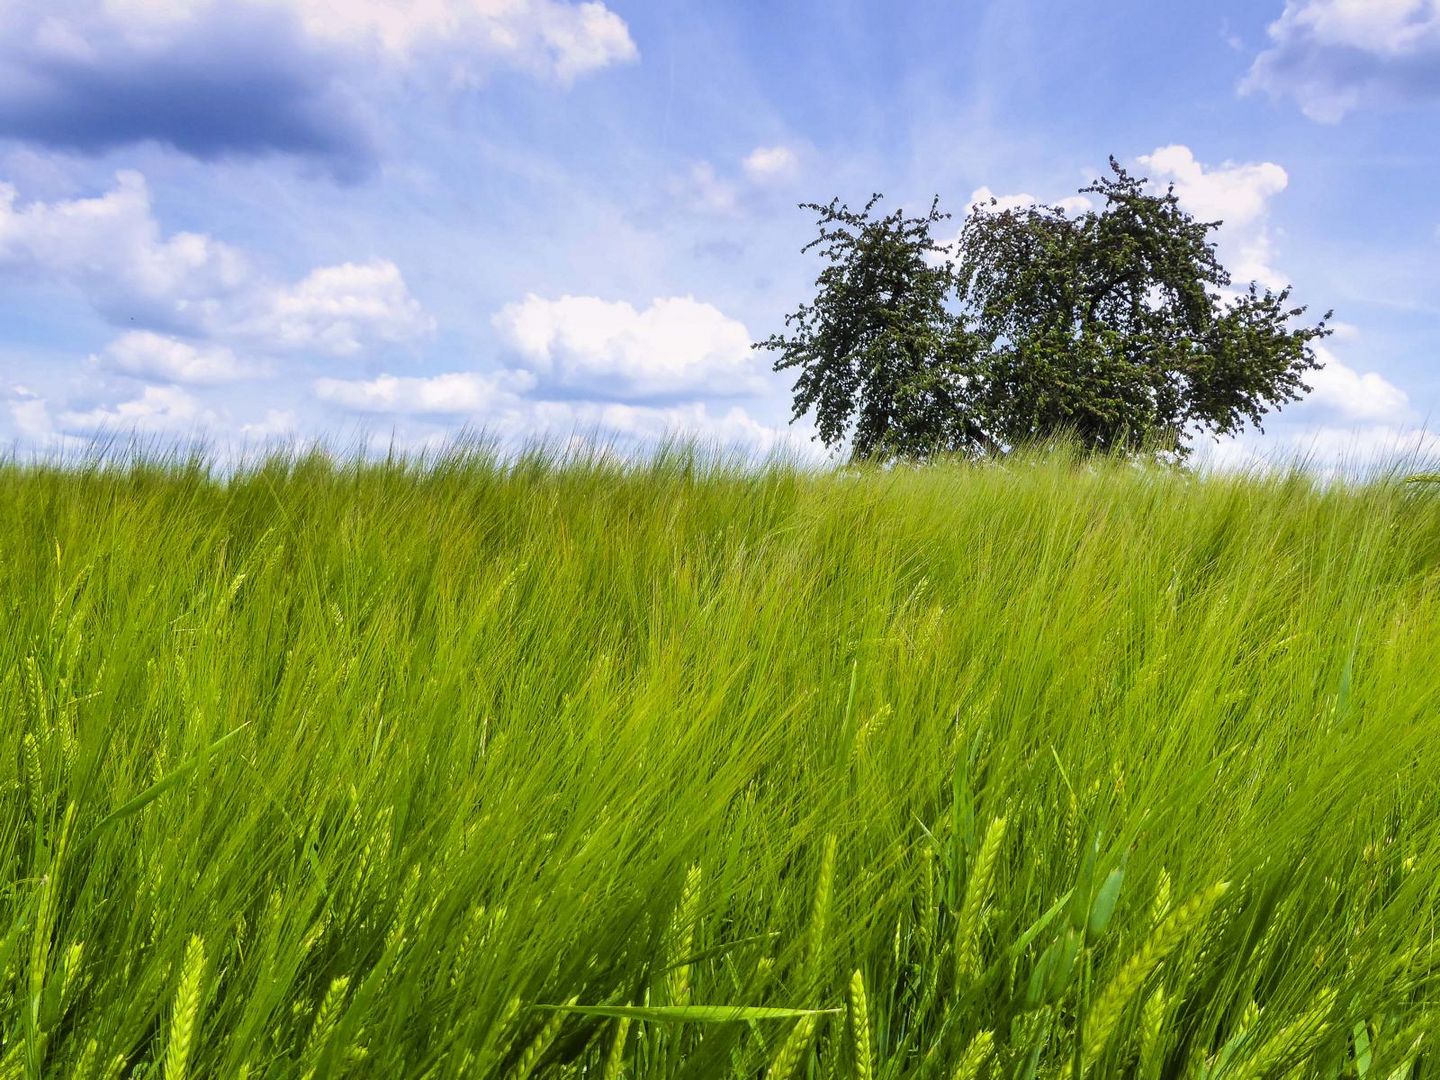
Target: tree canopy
point(1117, 326)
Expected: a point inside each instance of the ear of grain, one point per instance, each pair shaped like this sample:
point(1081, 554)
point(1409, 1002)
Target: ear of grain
point(977, 891)
point(532, 1054)
point(1110, 1003)
point(36, 1037)
point(34, 776)
point(1152, 1019)
point(681, 940)
point(860, 1028)
point(1290, 1043)
point(184, 1013)
point(1160, 907)
point(975, 1057)
point(815, 938)
point(787, 1058)
point(615, 1058)
point(327, 1015)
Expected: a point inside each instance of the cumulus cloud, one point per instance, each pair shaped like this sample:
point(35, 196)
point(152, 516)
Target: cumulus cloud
point(224, 78)
point(148, 355)
point(341, 310)
point(1334, 56)
point(1236, 194)
point(1352, 395)
point(167, 410)
point(462, 393)
point(676, 346)
point(111, 250)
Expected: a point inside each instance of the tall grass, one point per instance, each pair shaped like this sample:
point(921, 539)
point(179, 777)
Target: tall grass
point(568, 768)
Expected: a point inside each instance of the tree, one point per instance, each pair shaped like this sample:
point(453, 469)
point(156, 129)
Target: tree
point(1116, 326)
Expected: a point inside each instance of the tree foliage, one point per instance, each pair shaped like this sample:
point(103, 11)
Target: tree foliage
point(1117, 326)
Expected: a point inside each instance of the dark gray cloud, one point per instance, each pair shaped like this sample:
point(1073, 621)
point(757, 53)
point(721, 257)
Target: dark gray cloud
point(242, 83)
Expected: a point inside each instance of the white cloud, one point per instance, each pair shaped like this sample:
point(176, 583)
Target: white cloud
point(677, 345)
point(158, 410)
point(771, 164)
point(644, 424)
point(148, 355)
point(340, 310)
point(1236, 194)
point(30, 414)
point(494, 403)
point(1333, 56)
point(464, 393)
point(1239, 195)
point(277, 424)
point(560, 39)
point(981, 199)
point(1353, 395)
point(1328, 451)
point(111, 249)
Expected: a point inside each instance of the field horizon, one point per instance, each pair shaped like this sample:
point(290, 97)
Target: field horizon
point(562, 765)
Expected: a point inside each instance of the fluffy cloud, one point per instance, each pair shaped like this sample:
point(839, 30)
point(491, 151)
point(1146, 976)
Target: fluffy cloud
point(168, 410)
point(676, 346)
point(340, 310)
point(1352, 395)
point(148, 355)
point(219, 78)
point(112, 251)
point(1333, 56)
point(1236, 194)
point(1239, 196)
point(463, 393)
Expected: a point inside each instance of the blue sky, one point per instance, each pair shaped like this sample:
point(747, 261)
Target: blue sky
point(397, 219)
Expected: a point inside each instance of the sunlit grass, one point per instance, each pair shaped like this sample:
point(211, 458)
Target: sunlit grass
point(672, 769)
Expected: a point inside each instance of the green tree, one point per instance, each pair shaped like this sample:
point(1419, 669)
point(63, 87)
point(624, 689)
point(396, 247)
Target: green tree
point(1116, 326)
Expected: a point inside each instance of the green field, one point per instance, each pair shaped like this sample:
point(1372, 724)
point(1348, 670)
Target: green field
point(1046, 769)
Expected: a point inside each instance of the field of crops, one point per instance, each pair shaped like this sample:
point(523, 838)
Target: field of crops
point(574, 769)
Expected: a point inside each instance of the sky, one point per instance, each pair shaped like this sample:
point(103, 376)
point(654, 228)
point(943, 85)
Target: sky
point(386, 222)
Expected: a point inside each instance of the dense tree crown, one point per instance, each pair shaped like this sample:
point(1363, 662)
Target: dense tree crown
point(1116, 326)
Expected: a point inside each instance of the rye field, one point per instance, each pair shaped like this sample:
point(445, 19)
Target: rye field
point(558, 767)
